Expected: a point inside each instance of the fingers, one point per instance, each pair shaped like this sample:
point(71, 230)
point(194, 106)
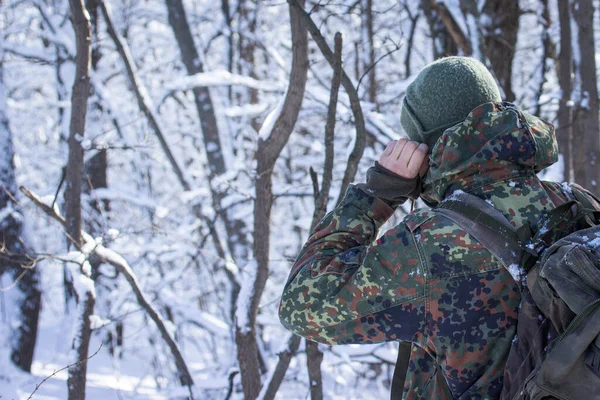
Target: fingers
point(405, 158)
point(413, 157)
point(389, 148)
point(399, 147)
point(407, 152)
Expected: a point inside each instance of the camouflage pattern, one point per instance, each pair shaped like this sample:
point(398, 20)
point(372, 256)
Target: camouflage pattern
point(427, 281)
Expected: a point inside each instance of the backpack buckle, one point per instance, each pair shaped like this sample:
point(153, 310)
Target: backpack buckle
point(592, 359)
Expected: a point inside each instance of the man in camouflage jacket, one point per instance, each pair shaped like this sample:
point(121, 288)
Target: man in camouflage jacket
point(427, 281)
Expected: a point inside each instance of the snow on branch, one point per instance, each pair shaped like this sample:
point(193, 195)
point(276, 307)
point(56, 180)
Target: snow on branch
point(218, 78)
point(245, 298)
point(117, 261)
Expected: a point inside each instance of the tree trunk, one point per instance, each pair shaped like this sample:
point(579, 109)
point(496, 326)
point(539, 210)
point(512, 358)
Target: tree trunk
point(14, 254)
point(236, 229)
point(368, 49)
point(248, 12)
point(314, 358)
point(141, 95)
point(564, 131)
point(74, 177)
point(586, 129)
point(414, 19)
point(548, 54)
point(500, 40)
point(285, 357)
point(95, 169)
point(79, 96)
point(359, 120)
point(443, 43)
point(269, 149)
point(226, 9)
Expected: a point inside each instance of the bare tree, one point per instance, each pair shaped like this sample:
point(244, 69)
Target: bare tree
point(228, 19)
point(492, 35)
point(314, 356)
point(586, 124)
point(368, 48)
point(236, 230)
point(499, 39)
point(95, 168)
point(247, 20)
point(15, 257)
point(564, 131)
point(272, 385)
point(548, 55)
point(444, 31)
point(269, 149)
point(346, 82)
point(74, 177)
point(141, 95)
point(414, 19)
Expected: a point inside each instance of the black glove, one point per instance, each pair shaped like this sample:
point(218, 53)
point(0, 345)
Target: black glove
point(390, 187)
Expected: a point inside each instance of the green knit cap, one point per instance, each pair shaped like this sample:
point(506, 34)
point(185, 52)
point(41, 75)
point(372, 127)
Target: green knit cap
point(443, 94)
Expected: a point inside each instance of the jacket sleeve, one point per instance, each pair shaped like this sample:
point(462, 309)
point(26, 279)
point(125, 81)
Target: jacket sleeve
point(345, 288)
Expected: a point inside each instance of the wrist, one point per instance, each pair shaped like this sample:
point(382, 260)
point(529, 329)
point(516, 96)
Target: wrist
point(390, 187)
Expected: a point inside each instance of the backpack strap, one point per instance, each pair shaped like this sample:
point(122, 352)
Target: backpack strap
point(585, 198)
point(486, 224)
point(400, 370)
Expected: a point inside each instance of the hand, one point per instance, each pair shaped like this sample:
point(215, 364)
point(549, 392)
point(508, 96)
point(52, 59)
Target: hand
point(405, 158)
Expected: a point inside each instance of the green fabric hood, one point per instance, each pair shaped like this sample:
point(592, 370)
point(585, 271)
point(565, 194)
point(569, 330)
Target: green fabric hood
point(495, 142)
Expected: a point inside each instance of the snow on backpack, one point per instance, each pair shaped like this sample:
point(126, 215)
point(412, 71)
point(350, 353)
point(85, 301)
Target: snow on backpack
point(556, 353)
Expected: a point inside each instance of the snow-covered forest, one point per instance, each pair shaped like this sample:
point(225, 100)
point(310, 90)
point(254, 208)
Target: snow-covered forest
point(162, 162)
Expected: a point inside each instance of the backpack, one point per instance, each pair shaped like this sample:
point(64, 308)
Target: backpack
point(556, 352)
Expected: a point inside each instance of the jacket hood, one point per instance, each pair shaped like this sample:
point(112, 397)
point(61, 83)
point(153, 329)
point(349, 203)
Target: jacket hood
point(496, 142)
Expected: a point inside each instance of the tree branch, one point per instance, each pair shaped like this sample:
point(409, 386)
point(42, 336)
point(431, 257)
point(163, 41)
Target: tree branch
point(62, 369)
point(276, 378)
point(141, 94)
point(123, 267)
point(323, 194)
point(359, 120)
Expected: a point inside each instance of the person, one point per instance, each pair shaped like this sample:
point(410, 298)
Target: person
point(427, 281)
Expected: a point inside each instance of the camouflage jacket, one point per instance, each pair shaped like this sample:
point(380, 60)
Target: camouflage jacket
point(426, 280)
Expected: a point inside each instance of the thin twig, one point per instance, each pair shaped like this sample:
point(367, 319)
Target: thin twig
point(322, 195)
point(12, 285)
point(231, 377)
point(62, 180)
point(62, 369)
point(370, 67)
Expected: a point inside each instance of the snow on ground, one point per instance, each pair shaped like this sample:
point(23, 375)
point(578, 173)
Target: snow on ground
point(130, 380)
